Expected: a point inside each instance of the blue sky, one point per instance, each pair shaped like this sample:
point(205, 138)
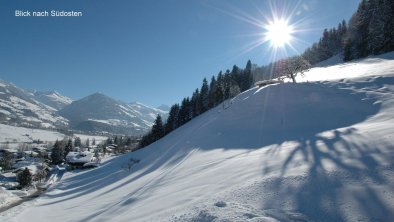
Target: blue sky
point(154, 52)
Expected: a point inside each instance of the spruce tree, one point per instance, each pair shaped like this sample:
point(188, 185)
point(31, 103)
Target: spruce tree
point(247, 77)
point(172, 120)
point(195, 104)
point(77, 142)
point(68, 147)
point(347, 50)
point(157, 129)
point(25, 178)
point(57, 154)
point(204, 96)
point(212, 88)
point(87, 142)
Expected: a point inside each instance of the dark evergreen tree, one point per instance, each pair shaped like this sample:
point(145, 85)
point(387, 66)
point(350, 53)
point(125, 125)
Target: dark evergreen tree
point(77, 142)
point(87, 142)
point(129, 141)
point(58, 152)
point(146, 140)
point(69, 147)
point(347, 50)
point(109, 140)
point(388, 13)
point(204, 96)
point(116, 140)
point(212, 89)
point(219, 89)
point(172, 120)
point(120, 140)
point(195, 104)
point(25, 178)
point(247, 79)
point(227, 85)
point(184, 112)
point(6, 160)
point(157, 129)
point(362, 27)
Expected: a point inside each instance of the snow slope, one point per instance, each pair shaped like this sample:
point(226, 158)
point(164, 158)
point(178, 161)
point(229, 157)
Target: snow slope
point(15, 135)
point(52, 99)
point(314, 151)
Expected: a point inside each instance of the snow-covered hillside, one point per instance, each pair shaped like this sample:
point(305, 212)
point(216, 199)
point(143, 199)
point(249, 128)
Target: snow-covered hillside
point(98, 112)
point(314, 151)
point(19, 107)
point(14, 135)
point(52, 99)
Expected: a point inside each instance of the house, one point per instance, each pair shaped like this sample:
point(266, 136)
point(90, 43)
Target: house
point(42, 151)
point(33, 166)
point(29, 154)
point(78, 159)
point(71, 155)
point(110, 148)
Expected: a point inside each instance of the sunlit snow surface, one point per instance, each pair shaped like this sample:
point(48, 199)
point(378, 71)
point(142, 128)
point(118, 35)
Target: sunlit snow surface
point(321, 150)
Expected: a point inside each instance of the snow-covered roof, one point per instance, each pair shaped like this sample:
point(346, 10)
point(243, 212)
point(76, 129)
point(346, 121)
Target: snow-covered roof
point(31, 165)
point(71, 155)
point(30, 153)
point(80, 157)
point(39, 148)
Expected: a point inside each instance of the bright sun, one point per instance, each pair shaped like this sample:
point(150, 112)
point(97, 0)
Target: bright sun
point(279, 33)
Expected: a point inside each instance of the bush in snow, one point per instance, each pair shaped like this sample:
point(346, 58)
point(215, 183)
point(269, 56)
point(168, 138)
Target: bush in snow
point(130, 164)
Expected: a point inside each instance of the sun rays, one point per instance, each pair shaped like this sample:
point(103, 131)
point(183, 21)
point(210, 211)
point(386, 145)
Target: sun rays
point(277, 28)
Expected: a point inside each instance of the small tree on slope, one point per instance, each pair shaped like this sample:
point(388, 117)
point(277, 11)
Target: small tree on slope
point(293, 66)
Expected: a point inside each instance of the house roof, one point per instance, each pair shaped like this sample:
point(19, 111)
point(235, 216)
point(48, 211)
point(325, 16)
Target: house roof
point(79, 157)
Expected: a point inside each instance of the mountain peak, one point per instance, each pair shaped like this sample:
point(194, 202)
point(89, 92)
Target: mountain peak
point(164, 107)
point(98, 95)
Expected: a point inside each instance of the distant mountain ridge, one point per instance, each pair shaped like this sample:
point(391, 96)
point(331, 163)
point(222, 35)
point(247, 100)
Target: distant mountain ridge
point(20, 107)
point(52, 99)
point(98, 112)
point(93, 113)
point(164, 107)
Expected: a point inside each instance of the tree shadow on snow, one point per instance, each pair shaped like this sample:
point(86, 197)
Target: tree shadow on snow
point(320, 193)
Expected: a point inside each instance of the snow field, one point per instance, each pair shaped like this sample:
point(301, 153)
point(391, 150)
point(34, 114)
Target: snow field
point(321, 150)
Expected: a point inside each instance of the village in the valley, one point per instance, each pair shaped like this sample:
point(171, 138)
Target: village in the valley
point(29, 168)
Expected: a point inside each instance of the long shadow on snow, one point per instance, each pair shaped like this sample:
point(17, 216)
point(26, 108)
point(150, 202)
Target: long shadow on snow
point(319, 195)
point(105, 176)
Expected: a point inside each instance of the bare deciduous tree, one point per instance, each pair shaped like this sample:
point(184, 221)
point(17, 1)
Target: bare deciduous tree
point(291, 67)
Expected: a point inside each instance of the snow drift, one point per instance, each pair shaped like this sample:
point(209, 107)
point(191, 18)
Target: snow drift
point(313, 151)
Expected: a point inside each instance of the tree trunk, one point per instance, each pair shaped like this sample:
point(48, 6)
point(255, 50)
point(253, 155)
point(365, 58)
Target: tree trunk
point(293, 78)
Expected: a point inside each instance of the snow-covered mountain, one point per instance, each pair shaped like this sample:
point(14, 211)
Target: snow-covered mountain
point(21, 107)
point(98, 112)
point(318, 150)
point(164, 107)
point(52, 99)
point(94, 113)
